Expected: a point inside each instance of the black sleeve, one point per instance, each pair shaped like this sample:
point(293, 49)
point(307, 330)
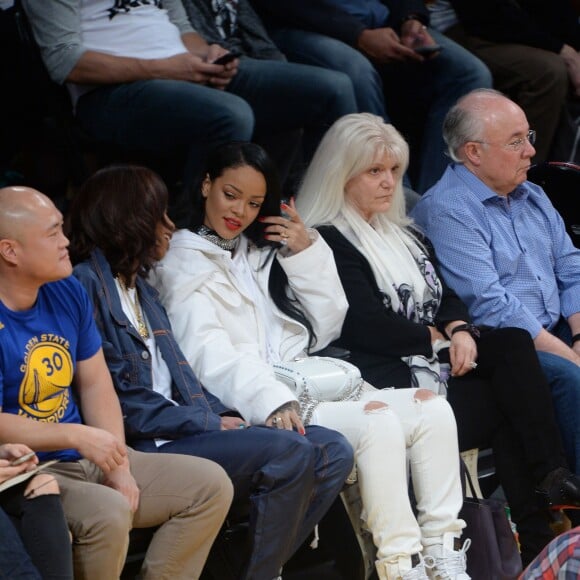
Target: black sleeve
point(369, 326)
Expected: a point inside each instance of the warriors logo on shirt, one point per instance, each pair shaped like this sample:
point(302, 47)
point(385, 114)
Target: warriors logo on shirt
point(48, 373)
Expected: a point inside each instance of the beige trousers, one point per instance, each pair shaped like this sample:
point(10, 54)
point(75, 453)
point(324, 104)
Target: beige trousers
point(188, 497)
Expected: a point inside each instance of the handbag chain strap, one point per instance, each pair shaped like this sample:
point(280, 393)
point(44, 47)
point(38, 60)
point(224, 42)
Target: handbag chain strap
point(308, 404)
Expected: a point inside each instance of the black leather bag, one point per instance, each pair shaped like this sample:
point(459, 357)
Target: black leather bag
point(494, 553)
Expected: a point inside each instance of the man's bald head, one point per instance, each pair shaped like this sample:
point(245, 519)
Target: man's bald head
point(19, 207)
point(33, 247)
point(473, 113)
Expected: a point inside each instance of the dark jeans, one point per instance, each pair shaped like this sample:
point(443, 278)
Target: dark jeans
point(564, 378)
point(42, 549)
point(290, 480)
point(266, 96)
point(400, 93)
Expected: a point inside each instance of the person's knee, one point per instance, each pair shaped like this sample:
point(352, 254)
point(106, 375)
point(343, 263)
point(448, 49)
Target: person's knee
point(459, 65)
point(339, 90)
point(335, 443)
point(381, 424)
point(468, 70)
point(107, 521)
point(220, 483)
point(294, 447)
point(365, 79)
point(42, 484)
point(375, 407)
point(424, 395)
point(475, 75)
point(120, 512)
point(554, 77)
point(235, 118)
point(481, 76)
point(436, 410)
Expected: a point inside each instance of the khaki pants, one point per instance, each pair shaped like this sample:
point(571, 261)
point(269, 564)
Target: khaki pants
point(188, 497)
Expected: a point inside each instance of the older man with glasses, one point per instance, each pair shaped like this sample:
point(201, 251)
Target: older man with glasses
point(504, 248)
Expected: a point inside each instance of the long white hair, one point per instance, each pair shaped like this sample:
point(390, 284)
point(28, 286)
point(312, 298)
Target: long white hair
point(348, 148)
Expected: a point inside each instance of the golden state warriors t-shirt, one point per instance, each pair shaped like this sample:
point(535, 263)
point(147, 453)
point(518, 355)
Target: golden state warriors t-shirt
point(39, 349)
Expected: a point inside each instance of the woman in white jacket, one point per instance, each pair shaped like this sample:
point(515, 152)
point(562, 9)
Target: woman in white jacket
point(247, 288)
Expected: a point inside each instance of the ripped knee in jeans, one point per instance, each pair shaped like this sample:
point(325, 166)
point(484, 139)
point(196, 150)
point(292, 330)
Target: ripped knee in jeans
point(375, 406)
point(43, 484)
point(424, 395)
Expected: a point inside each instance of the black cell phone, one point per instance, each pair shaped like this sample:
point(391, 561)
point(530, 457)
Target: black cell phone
point(227, 57)
point(428, 49)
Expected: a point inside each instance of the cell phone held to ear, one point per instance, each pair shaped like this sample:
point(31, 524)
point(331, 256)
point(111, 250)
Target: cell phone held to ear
point(428, 49)
point(227, 57)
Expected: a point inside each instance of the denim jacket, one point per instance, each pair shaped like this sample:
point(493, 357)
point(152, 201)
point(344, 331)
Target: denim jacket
point(146, 413)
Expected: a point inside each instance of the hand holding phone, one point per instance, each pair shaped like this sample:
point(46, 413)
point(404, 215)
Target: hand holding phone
point(427, 49)
point(23, 458)
point(227, 57)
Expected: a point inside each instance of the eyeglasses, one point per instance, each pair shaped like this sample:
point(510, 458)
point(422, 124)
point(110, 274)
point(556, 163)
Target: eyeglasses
point(516, 144)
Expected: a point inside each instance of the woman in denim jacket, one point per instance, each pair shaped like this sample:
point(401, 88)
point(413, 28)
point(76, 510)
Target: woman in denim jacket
point(118, 229)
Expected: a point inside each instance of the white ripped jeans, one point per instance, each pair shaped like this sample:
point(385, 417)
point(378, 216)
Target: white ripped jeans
point(423, 430)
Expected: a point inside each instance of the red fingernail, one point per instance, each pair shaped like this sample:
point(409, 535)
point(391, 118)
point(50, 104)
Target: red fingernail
point(261, 218)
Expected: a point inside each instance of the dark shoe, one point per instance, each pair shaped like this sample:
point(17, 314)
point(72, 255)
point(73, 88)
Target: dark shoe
point(561, 490)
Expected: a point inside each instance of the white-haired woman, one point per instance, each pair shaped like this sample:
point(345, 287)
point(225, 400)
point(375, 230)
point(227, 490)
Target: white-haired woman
point(405, 327)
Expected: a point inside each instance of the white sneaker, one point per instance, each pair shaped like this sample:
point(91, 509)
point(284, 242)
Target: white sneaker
point(402, 569)
point(419, 572)
point(448, 564)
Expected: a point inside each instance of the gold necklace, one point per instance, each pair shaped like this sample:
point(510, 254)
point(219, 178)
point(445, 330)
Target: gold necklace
point(141, 326)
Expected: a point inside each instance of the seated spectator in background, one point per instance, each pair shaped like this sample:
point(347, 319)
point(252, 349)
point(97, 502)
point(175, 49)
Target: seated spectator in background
point(52, 373)
point(560, 559)
point(141, 77)
point(404, 324)
point(248, 288)
point(373, 42)
point(504, 248)
point(120, 228)
point(531, 48)
point(35, 508)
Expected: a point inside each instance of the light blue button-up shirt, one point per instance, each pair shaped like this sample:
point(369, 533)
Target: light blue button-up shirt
point(512, 263)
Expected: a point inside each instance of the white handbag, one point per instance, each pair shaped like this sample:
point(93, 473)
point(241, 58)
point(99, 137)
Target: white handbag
point(318, 379)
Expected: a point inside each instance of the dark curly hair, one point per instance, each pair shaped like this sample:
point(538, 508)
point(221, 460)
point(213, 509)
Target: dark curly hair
point(117, 210)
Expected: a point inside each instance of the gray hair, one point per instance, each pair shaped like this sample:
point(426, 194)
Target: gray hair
point(349, 147)
point(464, 121)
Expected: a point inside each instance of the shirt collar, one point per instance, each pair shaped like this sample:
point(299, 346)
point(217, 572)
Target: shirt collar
point(481, 191)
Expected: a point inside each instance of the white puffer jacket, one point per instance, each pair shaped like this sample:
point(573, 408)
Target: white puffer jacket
point(216, 325)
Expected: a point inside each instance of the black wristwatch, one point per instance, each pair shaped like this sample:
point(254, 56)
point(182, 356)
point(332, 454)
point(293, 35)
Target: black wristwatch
point(471, 328)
